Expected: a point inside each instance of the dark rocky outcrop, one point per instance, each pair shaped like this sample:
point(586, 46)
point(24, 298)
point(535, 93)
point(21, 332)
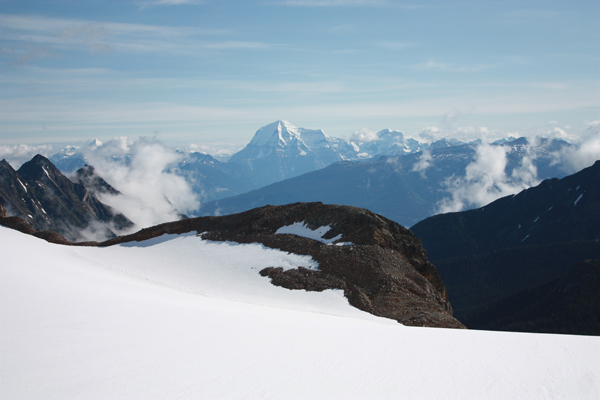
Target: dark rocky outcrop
point(41, 195)
point(384, 271)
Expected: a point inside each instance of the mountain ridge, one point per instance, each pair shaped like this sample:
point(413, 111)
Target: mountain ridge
point(516, 243)
point(41, 195)
point(380, 266)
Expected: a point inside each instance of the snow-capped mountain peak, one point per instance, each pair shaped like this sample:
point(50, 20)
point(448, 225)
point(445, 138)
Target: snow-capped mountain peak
point(390, 142)
point(280, 150)
point(278, 132)
point(281, 138)
point(95, 143)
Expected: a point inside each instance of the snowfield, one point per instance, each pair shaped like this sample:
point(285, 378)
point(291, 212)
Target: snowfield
point(182, 318)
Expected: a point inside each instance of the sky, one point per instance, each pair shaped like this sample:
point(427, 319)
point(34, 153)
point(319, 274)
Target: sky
point(212, 73)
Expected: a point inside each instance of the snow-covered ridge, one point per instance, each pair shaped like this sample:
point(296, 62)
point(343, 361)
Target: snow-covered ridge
point(302, 229)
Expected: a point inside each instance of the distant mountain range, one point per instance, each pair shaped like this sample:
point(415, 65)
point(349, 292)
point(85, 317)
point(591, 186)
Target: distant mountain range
point(404, 188)
point(402, 179)
point(277, 151)
point(515, 243)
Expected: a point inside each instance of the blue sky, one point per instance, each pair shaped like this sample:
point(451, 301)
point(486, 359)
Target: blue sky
point(213, 72)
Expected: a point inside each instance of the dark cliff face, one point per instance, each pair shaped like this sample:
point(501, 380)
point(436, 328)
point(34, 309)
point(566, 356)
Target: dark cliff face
point(515, 243)
point(41, 195)
point(568, 304)
point(381, 266)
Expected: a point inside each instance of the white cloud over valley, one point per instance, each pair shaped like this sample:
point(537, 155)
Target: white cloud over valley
point(486, 180)
point(140, 169)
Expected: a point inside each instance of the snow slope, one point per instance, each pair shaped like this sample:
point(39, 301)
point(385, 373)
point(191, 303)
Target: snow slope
point(182, 318)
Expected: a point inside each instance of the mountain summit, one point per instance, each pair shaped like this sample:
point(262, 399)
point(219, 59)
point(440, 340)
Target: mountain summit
point(280, 151)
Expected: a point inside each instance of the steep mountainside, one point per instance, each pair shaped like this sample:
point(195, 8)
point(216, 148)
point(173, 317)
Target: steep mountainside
point(568, 304)
point(40, 194)
point(87, 177)
point(380, 266)
point(517, 242)
point(557, 210)
point(391, 186)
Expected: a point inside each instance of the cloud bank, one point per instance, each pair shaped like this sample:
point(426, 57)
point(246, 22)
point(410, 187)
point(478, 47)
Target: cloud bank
point(144, 171)
point(585, 153)
point(486, 180)
point(17, 155)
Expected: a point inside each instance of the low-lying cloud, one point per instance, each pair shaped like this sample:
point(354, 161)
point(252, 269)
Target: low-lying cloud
point(585, 153)
point(425, 161)
point(363, 136)
point(486, 180)
point(143, 171)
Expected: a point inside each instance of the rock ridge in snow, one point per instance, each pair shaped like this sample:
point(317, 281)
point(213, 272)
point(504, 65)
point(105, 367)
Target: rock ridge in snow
point(382, 269)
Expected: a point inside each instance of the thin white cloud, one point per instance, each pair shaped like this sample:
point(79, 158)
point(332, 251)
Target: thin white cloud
point(425, 161)
point(450, 67)
point(396, 45)
point(158, 3)
point(18, 154)
point(30, 36)
point(349, 3)
point(175, 2)
point(333, 3)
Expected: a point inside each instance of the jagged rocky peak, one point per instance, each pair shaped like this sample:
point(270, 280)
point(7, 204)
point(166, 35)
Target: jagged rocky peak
point(48, 201)
point(380, 265)
point(38, 168)
point(88, 177)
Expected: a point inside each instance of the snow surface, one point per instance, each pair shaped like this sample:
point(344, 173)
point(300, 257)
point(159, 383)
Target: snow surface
point(579, 198)
point(301, 229)
point(24, 188)
point(163, 319)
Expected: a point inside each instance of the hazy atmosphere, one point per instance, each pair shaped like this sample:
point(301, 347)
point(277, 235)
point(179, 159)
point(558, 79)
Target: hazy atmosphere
point(209, 74)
